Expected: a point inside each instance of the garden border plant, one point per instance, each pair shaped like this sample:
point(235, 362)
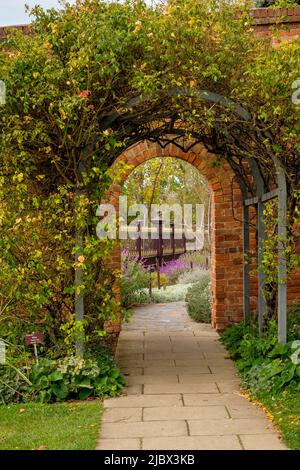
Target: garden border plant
point(268, 372)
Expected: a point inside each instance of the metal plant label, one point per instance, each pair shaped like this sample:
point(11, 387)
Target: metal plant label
point(34, 338)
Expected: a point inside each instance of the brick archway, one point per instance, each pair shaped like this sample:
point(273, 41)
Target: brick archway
point(226, 242)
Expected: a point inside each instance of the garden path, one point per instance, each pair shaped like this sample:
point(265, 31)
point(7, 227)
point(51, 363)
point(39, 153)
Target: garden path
point(183, 390)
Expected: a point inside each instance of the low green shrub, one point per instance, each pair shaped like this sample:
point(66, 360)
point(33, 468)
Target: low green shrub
point(265, 365)
point(170, 294)
point(174, 274)
point(269, 371)
point(135, 278)
point(62, 379)
point(197, 258)
point(198, 299)
point(192, 276)
point(164, 279)
point(293, 322)
point(13, 386)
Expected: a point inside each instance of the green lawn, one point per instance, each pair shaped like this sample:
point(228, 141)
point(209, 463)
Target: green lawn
point(285, 410)
point(63, 426)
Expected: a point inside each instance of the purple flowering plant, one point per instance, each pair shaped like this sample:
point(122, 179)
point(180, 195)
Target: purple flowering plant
point(174, 264)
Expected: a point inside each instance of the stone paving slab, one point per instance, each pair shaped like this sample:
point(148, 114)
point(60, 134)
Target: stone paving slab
point(218, 367)
point(175, 355)
point(205, 334)
point(192, 443)
point(227, 399)
point(199, 378)
point(124, 355)
point(185, 413)
point(153, 379)
point(210, 427)
point(150, 363)
point(132, 370)
point(207, 378)
point(226, 386)
point(130, 348)
point(136, 389)
point(216, 356)
point(193, 363)
point(201, 369)
point(178, 340)
point(144, 401)
point(119, 444)
point(144, 429)
point(242, 411)
point(262, 442)
point(182, 390)
point(126, 415)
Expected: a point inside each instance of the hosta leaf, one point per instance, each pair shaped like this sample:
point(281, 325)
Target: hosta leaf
point(85, 393)
point(60, 391)
point(55, 376)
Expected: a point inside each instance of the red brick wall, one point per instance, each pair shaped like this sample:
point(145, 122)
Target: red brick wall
point(227, 245)
point(287, 20)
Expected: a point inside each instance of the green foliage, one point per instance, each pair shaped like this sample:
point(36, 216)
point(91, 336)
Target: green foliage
point(266, 365)
point(198, 299)
point(270, 250)
point(197, 258)
point(166, 180)
point(175, 273)
point(164, 279)
point(273, 376)
point(191, 276)
point(135, 277)
point(175, 293)
point(268, 372)
point(13, 387)
point(168, 294)
point(62, 379)
point(293, 322)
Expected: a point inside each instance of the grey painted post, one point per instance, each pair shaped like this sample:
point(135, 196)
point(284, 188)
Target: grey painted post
point(246, 271)
point(260, 187)
point(79, 300)
point(139, 241)
point(282, 262)
point(173, 239)
point(262, 307)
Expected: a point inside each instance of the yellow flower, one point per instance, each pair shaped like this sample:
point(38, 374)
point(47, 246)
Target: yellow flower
point(138, 26)
point(81, 259)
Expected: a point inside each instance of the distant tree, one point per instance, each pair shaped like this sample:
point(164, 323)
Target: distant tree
point(166, 180)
